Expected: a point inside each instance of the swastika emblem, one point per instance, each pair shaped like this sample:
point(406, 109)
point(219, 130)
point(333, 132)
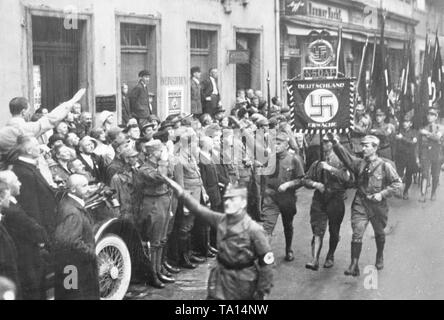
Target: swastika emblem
point(321, 105)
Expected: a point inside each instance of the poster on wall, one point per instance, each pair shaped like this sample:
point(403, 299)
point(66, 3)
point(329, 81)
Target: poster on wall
point(37, 85)
point(321, 105)
point(175, 100)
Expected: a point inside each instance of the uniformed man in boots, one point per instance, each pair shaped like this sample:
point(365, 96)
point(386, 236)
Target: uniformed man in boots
point(376, 180)
point(406, 158)
point(154, 213)
point(430, 148)
point(244, 259)
point(330, 179)
point(280, 192)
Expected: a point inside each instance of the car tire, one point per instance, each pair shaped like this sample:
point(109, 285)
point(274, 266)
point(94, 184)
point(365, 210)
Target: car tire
point(114, 267)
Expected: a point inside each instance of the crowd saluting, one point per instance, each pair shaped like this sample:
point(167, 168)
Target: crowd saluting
point(193, 188)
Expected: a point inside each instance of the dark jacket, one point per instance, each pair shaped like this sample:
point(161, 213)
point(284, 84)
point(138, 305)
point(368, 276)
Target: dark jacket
point(27, 235)
point(8, 257)
point(139, 102)
point(36, 198)
point(211, 183)
point(75, 247)
point(209, 107)
point(196, 103)
point(126, 110)
point(98, 171)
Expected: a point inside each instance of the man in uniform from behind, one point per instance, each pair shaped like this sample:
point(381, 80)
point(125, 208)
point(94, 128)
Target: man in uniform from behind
point(245, 261)
point(329, 178)
point(376, 180)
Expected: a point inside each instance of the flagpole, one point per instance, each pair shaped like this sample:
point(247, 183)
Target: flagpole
point(361, 67)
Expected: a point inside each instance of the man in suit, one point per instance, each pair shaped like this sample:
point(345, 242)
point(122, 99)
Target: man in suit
point(210, 93)
point(75, 246)
point(94, 164)
point(36, 197)
point(30, 239)
point(126, 110)
point(8, 252)
point(196, 100)
point(139, 99)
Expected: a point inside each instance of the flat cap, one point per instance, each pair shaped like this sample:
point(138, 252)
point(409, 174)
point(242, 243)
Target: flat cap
point(370, 139)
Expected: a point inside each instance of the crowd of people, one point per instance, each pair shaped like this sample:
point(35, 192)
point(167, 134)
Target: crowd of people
point(54, 161)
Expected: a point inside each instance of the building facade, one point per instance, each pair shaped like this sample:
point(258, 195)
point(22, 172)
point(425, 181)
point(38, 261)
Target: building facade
point(54, 47)
point(359, 20)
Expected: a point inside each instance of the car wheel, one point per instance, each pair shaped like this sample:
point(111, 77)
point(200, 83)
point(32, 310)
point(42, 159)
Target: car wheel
point(114, 265)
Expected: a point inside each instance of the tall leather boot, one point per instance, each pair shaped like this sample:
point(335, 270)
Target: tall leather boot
point(380, 242)
point(353, 269)
point(289, 255)
point(160, 275)
point(165, 265)
point(149, 271)
point(184, 253)
point(316, 246)
point(330, 259)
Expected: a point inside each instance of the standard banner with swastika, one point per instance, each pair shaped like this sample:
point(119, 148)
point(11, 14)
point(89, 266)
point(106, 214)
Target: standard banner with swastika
point(321, 104)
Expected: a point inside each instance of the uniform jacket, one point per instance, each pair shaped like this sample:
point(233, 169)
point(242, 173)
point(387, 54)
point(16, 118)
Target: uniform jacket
point(335, 181)
point(377, 176)
point(139, 101)
point(241, 242)
point(196, 100)
point(75, 246)
point(36, 197)
point(124, 184)
point(430, 148)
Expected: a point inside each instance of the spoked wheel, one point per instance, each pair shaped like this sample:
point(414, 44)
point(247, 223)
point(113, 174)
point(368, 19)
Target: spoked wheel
point(114, 264)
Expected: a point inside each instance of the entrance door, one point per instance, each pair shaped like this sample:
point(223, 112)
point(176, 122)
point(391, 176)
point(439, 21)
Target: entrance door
point(56, 54)
point(248, 75)
point(203, 50)
point(137, 53)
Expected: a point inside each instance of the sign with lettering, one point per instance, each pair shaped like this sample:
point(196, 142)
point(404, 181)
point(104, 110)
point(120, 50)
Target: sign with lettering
point(320, 73)
point(107, 103)
point(321, 104)
point(327, 12)
point(238, 56)
point(175, 100)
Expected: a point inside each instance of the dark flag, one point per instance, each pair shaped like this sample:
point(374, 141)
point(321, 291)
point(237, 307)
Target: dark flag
point(381, 75)
point(407, 94)
point(423, 99)
point(340, 60)
point(436, 90)
point(361, 85)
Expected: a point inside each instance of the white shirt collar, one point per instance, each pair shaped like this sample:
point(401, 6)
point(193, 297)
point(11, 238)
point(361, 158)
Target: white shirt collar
point(13, 200)
point(28, 160)
point(196, 80)
point(77, 199)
